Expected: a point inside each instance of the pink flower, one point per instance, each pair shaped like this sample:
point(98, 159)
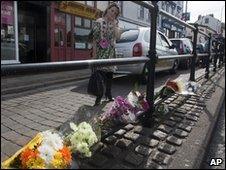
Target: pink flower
point(104, 43)
point(145, 105)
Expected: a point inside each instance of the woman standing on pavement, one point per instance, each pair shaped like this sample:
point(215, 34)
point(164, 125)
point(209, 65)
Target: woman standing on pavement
point(105, 32)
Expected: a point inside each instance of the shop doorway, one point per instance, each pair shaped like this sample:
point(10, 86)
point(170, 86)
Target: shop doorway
point(32, 32)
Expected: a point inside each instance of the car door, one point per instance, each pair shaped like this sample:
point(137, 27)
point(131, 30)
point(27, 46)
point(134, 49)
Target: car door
point(165, 50)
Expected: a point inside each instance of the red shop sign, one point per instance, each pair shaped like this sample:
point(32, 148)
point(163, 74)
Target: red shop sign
point(7, 12)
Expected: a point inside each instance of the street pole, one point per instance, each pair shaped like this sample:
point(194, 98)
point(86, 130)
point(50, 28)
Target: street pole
point(152, 55)
point(208, 59)
point(186, 7)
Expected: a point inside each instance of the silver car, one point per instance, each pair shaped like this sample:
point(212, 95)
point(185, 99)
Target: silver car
point(135, 43)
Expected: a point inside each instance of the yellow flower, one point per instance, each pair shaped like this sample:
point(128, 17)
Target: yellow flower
point(58, 161)
point(36, 163)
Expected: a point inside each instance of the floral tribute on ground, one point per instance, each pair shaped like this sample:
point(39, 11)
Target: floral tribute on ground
point(126, 110)
point(53, 150)
point(46, 150)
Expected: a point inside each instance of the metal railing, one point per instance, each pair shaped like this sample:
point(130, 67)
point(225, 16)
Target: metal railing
point(150, 60)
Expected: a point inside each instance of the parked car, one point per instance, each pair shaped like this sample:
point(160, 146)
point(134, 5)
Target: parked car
point(135, 43)
point(183, 46)
point(200, 48)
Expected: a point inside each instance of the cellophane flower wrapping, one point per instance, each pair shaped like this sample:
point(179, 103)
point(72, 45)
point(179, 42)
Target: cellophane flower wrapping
point(190, 88)
point(81, 139)
point(83, 131)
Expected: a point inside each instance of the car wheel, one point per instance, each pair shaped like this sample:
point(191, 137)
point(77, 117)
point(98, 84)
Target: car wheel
point(175, 67)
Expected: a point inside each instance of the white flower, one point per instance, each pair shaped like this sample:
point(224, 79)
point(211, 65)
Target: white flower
point(83, 148)
point(46, 153)
point(76, 137)
point(53, 140)
point(84, 126)
point(93, 139)
point(82, 138)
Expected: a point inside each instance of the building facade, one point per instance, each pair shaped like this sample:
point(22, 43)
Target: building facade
point(210, 21)
point(200, 37)
point(207, 24)
point(49, 31)
point(167, 26)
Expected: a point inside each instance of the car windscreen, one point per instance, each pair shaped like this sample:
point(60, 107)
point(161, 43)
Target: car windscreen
point(128, 36)
point(176, 43)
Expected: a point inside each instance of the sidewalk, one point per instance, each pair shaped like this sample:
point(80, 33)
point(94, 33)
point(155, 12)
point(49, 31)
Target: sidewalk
point(167, 145)
point(29, 82)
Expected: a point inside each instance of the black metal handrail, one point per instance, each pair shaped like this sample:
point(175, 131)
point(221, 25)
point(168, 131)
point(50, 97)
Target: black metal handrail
point(67, 65)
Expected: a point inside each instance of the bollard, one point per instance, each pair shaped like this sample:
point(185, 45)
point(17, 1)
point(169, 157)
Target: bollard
point(207, 71)
point(152, 55)
point(192, 73)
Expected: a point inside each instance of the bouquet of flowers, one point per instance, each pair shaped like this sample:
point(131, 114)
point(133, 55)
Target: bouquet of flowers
point(169, 88)
point(81, 139)
point(138, 101)
point(46, 150)
point(126, 110)
point(120, 111)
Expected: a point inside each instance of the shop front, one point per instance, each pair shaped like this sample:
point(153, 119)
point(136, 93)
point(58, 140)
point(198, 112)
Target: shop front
point(171, 29)
point(71, 23)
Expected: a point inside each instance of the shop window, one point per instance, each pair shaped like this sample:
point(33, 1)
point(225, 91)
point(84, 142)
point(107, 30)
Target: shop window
point(68, 29)
point(206, 20)
point(61, 37)
point(87, 23)
point(7, 31)
point(81, 33)
point(141, 12)
point(78, 21)
point(56, 37)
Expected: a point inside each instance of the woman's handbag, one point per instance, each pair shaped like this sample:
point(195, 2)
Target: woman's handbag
point(96, 83)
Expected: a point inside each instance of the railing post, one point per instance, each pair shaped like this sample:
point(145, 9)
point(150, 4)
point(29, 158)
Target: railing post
point(152, 55)
point(215, 57)
point(192, 73)
point(207, 71)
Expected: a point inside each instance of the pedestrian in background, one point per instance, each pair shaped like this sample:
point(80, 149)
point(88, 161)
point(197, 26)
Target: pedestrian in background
point(104, 33)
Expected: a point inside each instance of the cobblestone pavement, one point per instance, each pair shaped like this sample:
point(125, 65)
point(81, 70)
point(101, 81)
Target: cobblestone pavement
point(25, 116)
point(217, 144)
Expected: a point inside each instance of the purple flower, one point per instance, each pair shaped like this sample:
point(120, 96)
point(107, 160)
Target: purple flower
point(104, 43)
